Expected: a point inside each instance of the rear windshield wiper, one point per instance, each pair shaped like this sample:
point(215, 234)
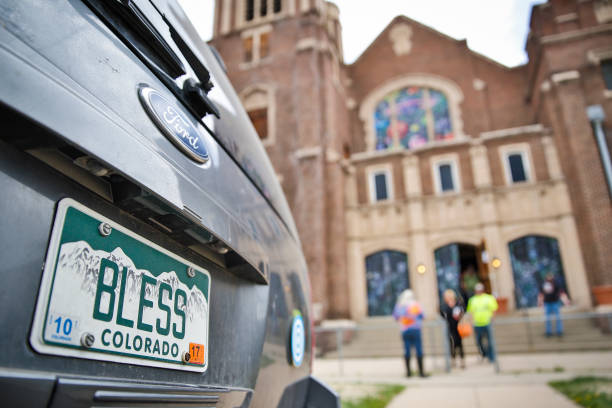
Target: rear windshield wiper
point(137, 32)
point(196, 92)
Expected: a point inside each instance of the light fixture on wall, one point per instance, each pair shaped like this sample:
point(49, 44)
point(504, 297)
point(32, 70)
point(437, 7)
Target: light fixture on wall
point(496, 262)
point(421, 269)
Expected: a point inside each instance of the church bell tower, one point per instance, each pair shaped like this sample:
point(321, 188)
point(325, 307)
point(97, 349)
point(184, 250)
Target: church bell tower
point(284, 58)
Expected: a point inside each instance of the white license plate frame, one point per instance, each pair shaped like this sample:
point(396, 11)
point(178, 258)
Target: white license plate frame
point(138, 289)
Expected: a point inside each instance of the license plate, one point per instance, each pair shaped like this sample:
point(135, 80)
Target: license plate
point(109, 294)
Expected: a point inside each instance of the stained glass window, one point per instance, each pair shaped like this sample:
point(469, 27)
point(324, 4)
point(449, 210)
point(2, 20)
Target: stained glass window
point(411, 117)
point(387, 277)
point(532, 258)
point(382, 122)
point(448, 268)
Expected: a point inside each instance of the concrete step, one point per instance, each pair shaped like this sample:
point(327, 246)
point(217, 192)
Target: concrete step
point(511, 336)
point(378, 337)
point(355, 352)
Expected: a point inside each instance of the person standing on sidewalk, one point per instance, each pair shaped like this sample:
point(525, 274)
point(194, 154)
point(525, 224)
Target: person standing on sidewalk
point(452, 312)
point(551, 295)
point(482, 306)
point(409, 314)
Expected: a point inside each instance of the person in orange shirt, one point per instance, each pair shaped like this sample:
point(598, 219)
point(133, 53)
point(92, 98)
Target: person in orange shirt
point(409, 314)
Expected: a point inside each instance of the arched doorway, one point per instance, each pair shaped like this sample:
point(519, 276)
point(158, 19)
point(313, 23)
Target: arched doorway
point(459, 267)
point(532, 258)
point(387, 277)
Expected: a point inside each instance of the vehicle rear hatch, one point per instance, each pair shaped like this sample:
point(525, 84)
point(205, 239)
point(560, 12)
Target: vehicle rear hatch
point(76, 129)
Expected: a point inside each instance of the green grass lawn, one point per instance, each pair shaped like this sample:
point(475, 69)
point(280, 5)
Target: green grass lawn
point(379, 399)
point(589, 392)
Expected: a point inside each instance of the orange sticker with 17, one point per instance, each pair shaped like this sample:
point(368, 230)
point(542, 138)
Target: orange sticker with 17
point(196, 352)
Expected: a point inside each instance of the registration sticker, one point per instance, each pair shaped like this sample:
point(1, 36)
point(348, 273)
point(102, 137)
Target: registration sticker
point(110, 294)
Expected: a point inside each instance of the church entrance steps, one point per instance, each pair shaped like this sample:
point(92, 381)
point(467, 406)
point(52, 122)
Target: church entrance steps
point(380, 337)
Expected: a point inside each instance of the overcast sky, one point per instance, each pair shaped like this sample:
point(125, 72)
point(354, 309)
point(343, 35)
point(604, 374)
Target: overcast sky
point(495, 28)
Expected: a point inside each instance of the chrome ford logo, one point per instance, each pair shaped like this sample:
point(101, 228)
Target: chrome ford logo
point(174, 124)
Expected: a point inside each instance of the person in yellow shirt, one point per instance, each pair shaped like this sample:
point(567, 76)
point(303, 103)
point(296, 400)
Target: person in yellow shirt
point(481, 307)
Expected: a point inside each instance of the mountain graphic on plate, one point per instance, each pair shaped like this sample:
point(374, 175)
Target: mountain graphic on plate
point(78, 266)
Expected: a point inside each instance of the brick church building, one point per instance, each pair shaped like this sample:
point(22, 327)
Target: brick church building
point(424, 164)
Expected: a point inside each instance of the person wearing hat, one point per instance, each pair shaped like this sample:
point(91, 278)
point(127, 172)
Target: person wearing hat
point(409, 314)
point(481, 307)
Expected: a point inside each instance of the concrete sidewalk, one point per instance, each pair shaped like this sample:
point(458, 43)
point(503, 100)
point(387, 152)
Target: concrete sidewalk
point(521, 383)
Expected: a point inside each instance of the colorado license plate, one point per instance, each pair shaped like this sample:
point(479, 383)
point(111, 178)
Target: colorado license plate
point(110, 294)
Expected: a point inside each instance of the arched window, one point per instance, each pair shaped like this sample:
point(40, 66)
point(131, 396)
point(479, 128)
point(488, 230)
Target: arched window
point(387, 277)
point(410, 111)
point(259, 103)
point(533, 257)
point(412, 116)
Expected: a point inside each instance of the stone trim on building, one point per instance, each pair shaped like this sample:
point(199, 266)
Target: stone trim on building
point(566, 18)
point(603, 11)
point(535, 129)
point(438, 144)
point(575, 34)
point(308, 152)
point(565, 76)
point(401, 38)
point(597, 55)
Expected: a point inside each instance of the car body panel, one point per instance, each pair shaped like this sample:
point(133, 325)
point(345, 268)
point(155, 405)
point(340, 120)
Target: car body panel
point(67, 77)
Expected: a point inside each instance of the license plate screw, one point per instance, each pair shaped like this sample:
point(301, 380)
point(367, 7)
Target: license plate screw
point(191, 272)
point(186, 357)
point(87, 340)
point(105, 229)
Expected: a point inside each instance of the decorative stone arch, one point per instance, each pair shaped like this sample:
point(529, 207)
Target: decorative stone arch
point(460, 238)
point(259, 96)
point(391, 244)
point(539, 230)
point(451, 90)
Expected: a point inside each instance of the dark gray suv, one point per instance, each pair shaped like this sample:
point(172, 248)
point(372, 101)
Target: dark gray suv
point(148, 255)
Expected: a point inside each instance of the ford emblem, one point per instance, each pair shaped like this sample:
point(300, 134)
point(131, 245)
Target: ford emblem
point(174, 124)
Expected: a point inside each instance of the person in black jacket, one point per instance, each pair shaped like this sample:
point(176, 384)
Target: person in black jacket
point(452, 311)
point(552, 296)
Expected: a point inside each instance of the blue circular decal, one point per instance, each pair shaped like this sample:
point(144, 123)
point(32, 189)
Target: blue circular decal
point(175, 124)
point(298, 340)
